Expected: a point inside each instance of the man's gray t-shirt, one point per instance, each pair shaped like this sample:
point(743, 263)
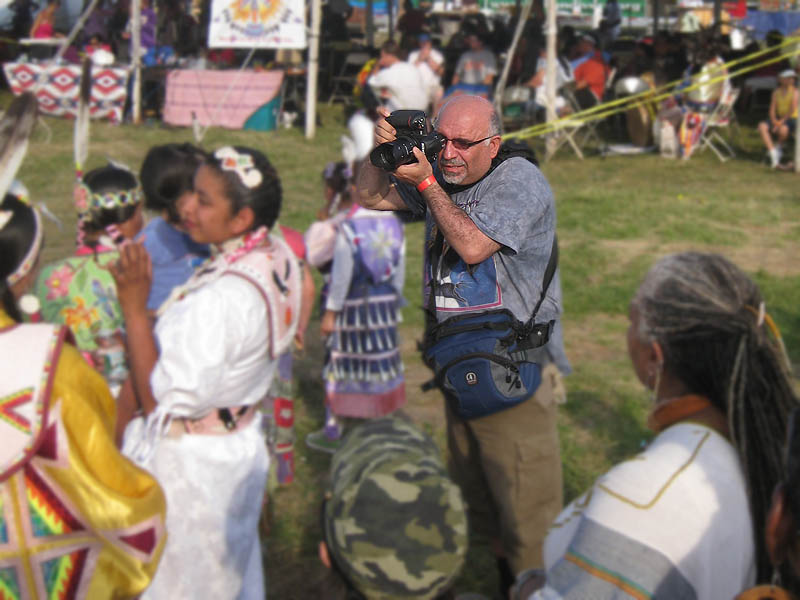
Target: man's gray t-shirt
point(514, 206)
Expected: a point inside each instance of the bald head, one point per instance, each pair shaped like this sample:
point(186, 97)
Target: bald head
point(474, 106)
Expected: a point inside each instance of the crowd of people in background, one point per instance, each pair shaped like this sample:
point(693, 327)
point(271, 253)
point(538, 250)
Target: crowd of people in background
point(589, 62)
point(589, 65)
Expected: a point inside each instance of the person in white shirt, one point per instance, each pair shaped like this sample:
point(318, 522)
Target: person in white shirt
point(396, 82)
point(430, 63)
point(537, 82)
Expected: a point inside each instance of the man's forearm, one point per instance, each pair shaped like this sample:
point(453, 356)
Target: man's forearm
point(373, 185)
point(375, 190)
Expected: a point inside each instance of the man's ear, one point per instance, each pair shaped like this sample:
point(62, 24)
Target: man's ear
point(494, 145)
point(780, 528)
point(243, 220)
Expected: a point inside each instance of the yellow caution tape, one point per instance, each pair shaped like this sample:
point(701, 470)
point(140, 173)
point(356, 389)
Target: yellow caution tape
point(648, 97)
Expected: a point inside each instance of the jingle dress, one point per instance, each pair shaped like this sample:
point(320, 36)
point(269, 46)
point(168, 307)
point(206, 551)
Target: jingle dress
point(77, 519)
point(219, 337)
point(363, 372)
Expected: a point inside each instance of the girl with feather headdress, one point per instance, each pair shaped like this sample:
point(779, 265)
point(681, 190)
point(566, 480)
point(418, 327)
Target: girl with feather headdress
point(77, 519)
point(78, 291)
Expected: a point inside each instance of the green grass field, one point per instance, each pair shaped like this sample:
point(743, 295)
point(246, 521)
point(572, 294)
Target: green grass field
point(616, 215)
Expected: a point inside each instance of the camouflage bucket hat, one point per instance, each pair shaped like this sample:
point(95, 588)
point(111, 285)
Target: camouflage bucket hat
point(394, 521)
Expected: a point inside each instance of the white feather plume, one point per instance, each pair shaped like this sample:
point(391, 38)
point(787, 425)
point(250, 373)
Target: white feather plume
point(15, 131)
point(81, 136)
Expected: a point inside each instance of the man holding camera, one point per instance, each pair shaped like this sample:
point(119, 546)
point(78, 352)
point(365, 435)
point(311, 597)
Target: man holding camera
point(490, 227)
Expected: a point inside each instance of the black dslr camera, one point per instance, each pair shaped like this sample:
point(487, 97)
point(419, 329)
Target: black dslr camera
point(411, 126)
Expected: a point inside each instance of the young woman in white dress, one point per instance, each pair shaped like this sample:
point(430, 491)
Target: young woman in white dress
point(199, 374)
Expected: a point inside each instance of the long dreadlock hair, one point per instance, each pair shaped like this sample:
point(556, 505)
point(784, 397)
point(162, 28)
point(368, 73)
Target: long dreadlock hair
point(705, 313)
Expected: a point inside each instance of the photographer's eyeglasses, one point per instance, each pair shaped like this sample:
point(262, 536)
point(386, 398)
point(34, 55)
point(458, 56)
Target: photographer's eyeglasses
point(460, 144)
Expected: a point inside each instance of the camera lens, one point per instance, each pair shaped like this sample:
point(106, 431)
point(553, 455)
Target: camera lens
point(390, 155)
point(382, 157)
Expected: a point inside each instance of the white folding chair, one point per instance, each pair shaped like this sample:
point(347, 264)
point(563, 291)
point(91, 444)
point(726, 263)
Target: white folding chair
point(721, 118)
point(575, 130)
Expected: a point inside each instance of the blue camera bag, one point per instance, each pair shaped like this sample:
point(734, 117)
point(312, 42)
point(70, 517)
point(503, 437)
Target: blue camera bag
point(473, 360)
point(479, 359)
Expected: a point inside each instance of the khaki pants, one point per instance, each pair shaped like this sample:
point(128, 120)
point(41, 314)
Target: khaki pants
point(508, 466)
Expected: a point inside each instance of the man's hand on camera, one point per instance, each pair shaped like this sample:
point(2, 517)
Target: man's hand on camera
point(415, 173)
point(383, 131)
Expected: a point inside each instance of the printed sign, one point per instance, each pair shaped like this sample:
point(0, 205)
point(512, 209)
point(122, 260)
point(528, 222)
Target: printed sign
point(257, 24)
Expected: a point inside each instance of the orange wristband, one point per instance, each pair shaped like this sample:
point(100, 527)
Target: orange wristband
point(425, 183)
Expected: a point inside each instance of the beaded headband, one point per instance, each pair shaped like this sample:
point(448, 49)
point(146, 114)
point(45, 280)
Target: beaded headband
point(240, 163)
point(26, 265)
point(87, 202)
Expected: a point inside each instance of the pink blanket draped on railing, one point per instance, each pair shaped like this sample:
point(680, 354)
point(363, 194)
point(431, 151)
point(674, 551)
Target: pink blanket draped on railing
point(218, 98)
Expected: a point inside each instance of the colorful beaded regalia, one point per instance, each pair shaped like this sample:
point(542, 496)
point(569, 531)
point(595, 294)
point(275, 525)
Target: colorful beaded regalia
point(77, 520)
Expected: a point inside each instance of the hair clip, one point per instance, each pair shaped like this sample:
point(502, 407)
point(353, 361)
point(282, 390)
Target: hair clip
point(760, 314)
point(762, 311)
point(241, 164)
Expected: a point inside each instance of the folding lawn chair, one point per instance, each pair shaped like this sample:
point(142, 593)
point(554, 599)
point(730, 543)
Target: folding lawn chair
point(721, 118)
point(342, 84)
point(565, 134)
point(575, 130)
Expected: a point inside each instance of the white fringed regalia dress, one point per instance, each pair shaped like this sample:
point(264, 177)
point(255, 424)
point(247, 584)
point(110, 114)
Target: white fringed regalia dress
point(219, 338)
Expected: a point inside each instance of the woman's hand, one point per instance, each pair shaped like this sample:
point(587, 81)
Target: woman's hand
point(133, 274)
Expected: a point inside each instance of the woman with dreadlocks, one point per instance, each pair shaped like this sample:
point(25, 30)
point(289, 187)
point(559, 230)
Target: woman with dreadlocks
point(685, 519)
